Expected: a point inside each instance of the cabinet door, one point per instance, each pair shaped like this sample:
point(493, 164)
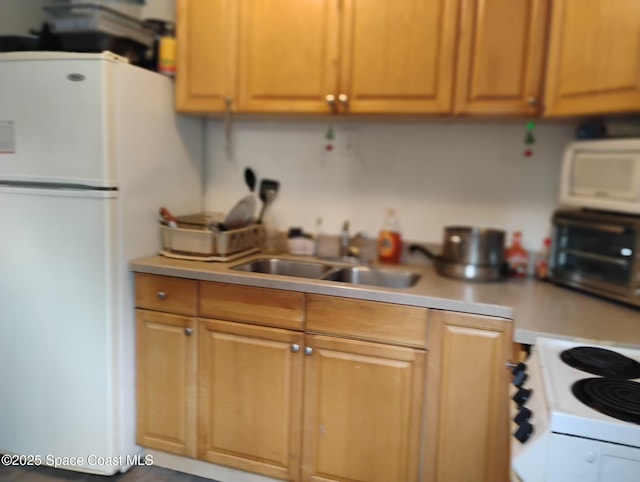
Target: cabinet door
point(287, 55)
point(467, 398)
point(397, 57)
point(501, 54)
point(166, 382)
point(594, 57)
point(206, 55)
point(250, 398)
point(362, 411)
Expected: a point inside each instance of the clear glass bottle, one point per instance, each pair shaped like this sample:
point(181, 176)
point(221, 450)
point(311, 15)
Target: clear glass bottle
point(542, 265)
point(271, 243)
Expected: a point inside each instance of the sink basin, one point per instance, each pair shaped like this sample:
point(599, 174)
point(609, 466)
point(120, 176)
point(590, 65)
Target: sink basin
point(358, 275)
point(363, 275)
point(300, 269)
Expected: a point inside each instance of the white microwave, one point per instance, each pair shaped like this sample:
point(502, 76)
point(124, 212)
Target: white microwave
point(602, 175)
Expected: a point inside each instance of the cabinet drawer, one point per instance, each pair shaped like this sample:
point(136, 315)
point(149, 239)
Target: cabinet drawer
point(264, 306)
point(165, 293)
point(371, 320)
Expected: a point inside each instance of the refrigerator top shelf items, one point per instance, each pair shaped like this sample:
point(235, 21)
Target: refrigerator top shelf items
point(94, 19)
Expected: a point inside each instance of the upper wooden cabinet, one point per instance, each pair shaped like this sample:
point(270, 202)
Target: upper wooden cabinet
point(501, 56)
point(594, 57)
point(316, 56)
point(287, 55)
point(465, 57)
point(206, 55)
point(397, 57)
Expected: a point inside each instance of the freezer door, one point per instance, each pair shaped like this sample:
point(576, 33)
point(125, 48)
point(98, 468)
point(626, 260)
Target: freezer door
point(58, 327)
point(56, 121)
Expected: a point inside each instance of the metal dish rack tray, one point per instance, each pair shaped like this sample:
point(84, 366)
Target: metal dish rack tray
point(203, 244)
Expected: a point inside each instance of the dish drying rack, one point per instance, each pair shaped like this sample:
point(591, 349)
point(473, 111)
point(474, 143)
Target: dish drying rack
point(193, 240)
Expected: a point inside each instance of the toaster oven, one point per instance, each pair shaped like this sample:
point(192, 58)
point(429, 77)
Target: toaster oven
point(598, 252)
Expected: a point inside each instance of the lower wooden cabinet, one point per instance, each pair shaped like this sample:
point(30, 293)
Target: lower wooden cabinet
point(166, 382)
point(250, 397)
point(467, 398)
point(352, 398)
point(362, 411)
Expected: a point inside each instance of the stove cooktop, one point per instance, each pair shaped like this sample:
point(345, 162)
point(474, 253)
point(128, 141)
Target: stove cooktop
point(603, 362)
point(607, 408)
point(612, 396)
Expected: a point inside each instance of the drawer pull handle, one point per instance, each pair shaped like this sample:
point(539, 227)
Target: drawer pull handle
point(308, 350)
point(188, 331)
point(162, 295)
point(295, 348)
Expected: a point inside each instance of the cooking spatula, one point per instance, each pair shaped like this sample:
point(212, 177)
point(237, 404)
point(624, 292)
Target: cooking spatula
point(268, 190)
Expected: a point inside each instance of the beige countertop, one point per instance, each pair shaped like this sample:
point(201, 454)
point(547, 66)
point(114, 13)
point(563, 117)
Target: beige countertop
point(536, 308)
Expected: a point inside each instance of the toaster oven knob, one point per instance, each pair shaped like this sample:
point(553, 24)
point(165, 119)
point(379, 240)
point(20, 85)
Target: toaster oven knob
point(523, 432)
point(523, 416)
point(520, 378)
point(522, 396)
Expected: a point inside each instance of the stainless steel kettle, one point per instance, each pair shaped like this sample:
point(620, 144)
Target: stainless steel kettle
point(469, 253)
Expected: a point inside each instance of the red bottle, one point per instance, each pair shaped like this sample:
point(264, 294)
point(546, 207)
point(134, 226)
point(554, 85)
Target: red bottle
point(517, 256)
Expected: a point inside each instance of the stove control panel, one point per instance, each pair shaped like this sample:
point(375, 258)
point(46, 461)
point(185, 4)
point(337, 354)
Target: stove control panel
point(522, 419)
point(529, 419)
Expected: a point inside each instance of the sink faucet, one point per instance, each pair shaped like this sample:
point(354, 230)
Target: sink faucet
point(350, 248)
point(345, 241)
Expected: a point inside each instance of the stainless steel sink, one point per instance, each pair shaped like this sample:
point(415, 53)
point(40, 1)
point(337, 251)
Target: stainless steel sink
point(360, 275)
point(300, 269)
point(363, 275)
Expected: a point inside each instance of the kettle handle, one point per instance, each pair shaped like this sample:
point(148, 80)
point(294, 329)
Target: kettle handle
point(421, 249)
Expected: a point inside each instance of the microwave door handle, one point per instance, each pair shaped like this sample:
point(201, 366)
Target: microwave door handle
point(604, 227)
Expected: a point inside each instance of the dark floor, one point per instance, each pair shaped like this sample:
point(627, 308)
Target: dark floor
point(48, 474)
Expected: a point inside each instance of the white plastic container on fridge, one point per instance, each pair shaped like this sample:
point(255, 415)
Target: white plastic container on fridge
point(87, 18)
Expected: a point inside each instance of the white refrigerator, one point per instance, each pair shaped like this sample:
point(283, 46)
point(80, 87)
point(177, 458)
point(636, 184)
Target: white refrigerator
point(90, 148)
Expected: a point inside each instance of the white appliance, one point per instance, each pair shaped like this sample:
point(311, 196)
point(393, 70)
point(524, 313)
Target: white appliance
point(575, 425)
point(90, 148)
point(602, 175)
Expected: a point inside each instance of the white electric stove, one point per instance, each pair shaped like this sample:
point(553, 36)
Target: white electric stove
point(577, 414)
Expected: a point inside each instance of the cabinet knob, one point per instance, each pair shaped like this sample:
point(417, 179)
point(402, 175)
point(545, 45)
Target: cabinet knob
point(162, 295)
point(343, 99)
point(308, 350)
point(533, 101)
point(295, 348)
point(331, 99)
point(188, 331)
